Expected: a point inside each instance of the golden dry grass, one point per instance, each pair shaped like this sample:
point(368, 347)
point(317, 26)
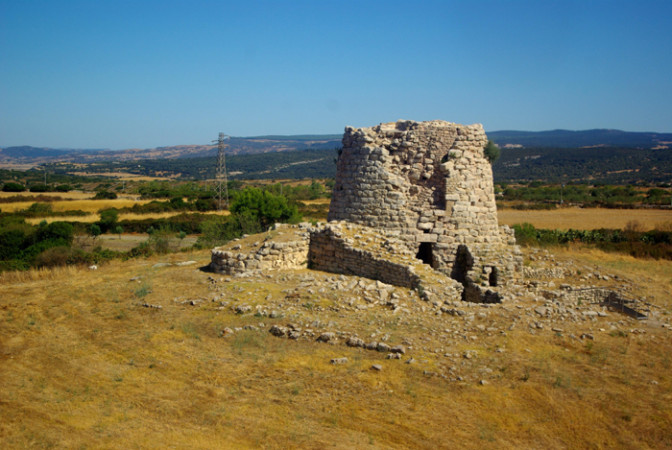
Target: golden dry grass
point(74, 195)
point(83, 364)
point(87, 205)
point(654, 276)
point(126, 176)
point(318, 201)
point(585, 218)
point(94, 217)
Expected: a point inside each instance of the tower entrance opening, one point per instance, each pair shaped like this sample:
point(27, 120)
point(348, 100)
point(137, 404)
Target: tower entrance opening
point(425, 253)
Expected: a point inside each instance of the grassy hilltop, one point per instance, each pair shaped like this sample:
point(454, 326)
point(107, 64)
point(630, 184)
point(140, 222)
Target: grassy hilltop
point(144, 353)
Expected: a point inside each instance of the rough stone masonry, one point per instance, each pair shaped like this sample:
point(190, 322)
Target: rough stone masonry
point(405, 193)
point(429, 186)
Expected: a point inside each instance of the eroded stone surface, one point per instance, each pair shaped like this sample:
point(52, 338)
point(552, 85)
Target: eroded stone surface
point(429, 186)
point(405, 193)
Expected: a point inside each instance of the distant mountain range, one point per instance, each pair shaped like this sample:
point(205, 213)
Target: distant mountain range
point(235, 146)
point(265, 144)
point(578, 139)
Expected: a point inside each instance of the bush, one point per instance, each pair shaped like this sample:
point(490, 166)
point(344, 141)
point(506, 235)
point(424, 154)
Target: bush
point(56, 231)
point(61, 256)
point(159, 241)
point(13, 187)
point(38, 210)
point(491, 152)
point(39, 188)
point(105, 195)
point(108, 219)
point(218, 231)
point(94, 230)
point(12, 241)
point(263, 207)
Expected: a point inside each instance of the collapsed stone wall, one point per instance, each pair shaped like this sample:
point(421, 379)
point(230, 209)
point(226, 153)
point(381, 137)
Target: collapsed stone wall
point(330, 251)
point(291, 253)
point(430, 185)
point(353, 249)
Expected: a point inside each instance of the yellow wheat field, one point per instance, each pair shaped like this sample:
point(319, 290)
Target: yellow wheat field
point(94, 217)
point(587, 218)
point(72, 195)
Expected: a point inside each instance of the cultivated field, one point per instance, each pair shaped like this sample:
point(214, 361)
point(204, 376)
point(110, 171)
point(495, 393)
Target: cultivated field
point(587, 218)
point(83, 201)
point(94, 217)
point(87, 359)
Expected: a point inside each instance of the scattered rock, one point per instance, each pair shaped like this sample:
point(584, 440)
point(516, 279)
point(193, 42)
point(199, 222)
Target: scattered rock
point(148, 305)
point(225, 332)
point(279, 331)
point(354, 342)
point(326, 337)
point(339, 360)
point(382, 347)
point(377, 367)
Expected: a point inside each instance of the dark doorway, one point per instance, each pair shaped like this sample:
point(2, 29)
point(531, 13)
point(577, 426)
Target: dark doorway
point(425, 253)
point(493, 278)
point(464, 262)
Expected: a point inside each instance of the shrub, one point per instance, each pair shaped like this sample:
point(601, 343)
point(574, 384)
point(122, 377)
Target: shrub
point(39, 188)
point(491, 152)
point(13, 187)
point(108, 219)
point(105, 195)
point(61, 256)
point(263, 207)
point(38, 210)
point(56, 231)
point(12, 241)
point(94, 230)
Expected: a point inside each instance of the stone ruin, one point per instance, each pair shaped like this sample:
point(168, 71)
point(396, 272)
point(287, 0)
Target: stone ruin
point(408, 193)
point(429, 186)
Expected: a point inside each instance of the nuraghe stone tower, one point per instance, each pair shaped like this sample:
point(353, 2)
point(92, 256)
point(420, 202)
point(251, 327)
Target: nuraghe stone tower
point(428, 185)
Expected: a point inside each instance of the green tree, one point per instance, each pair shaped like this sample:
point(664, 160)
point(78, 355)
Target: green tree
point(11, 243)
point(105, 195)
point(108, 219)
point(13, 187)
point(61, 232)
point(264, 207)
point(94, 231)
point(39, 188)
point(491, 151)
point(118, 230)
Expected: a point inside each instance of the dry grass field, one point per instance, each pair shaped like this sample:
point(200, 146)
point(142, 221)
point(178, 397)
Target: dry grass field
point(586, 218)
point(126, 242)
point(87, 361)
point(94, 217)
point(72, 195)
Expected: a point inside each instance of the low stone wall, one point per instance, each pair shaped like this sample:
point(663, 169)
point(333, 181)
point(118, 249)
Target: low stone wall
point(269, 255)
point(331, 252)
point(352, 249)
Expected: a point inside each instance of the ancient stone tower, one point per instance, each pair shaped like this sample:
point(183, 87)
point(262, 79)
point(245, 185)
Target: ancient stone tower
point(430, 185)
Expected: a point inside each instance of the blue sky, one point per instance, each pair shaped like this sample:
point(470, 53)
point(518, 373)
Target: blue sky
point(140, 74)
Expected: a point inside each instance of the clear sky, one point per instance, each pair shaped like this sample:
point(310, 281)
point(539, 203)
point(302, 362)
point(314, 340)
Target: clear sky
point(140, 74)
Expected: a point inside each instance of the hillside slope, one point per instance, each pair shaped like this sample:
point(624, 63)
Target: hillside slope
point(144, 353)
point(583, 138)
